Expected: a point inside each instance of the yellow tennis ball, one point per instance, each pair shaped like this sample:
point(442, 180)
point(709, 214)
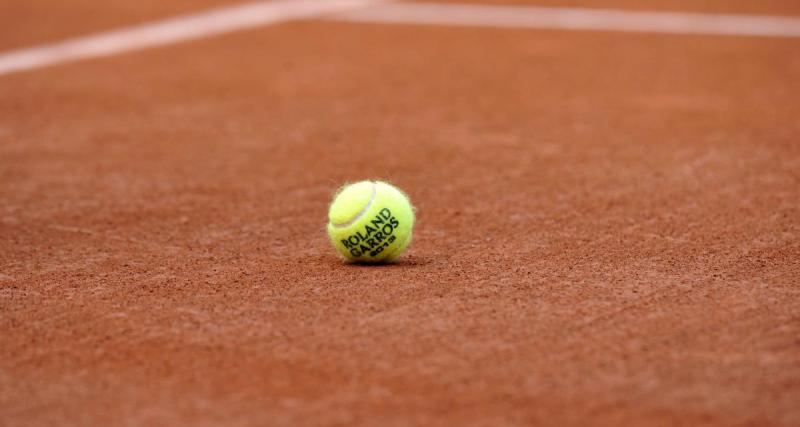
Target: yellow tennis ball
point(370, 222)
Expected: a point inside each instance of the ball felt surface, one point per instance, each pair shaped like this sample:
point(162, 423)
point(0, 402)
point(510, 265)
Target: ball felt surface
point(370, 222)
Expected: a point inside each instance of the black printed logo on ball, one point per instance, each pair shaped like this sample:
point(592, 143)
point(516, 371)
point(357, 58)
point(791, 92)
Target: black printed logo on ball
point(376, 236)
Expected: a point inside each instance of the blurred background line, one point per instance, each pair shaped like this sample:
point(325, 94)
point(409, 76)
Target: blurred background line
point(575, 19)
point(251, 15)
point(170, 31)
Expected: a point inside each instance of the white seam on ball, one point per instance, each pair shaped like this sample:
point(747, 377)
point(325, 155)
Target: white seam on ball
point(363, 212)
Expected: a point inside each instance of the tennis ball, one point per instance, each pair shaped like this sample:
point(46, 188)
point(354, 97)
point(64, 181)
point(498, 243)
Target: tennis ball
point(370, 222)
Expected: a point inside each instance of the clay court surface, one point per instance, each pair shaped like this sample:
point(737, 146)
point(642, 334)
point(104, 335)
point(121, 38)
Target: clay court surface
point(608, 224)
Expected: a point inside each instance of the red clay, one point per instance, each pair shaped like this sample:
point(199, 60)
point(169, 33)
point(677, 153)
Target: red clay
point(607, 231)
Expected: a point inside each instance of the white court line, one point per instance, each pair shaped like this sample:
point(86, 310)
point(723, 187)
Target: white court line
point(257, 14)
point(575, 19)
point(171, 31)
